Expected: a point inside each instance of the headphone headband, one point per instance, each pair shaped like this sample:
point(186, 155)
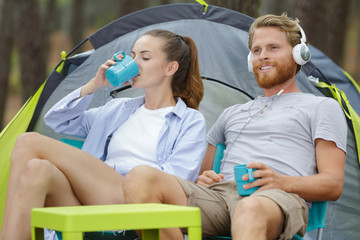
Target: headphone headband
point(303, 36)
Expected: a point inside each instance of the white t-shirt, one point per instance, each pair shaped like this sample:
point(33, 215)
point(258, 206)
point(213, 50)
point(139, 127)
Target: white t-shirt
point(135, 141)
point(281, 132)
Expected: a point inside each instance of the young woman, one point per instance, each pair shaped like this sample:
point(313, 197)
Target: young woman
point(161, 129)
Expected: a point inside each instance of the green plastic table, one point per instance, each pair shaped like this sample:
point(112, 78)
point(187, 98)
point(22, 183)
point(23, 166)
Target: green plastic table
point(149, 217)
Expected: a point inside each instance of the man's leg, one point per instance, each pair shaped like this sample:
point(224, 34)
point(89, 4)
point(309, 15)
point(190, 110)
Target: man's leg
point(145, 184)
point(257, 218)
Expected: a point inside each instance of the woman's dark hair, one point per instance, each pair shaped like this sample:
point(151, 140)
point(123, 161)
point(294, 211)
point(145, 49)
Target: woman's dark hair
point(186, 83)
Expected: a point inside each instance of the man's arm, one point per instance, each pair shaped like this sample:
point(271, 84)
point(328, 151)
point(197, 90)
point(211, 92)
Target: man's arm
point(206, 175)
point(326, 185)
point(208, 159)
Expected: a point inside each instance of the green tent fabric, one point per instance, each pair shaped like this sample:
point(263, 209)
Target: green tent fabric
point(349, 112)
point(8, 136)
point(357, 87)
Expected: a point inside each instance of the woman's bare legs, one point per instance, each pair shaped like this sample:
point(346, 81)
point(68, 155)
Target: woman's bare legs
point(46, 172)
point(41, 184)
point(145, 184)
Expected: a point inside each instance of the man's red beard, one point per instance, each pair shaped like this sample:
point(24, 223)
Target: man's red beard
point(283, 72)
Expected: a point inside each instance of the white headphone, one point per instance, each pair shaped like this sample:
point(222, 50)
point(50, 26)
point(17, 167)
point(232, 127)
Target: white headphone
point(249, 60)
point(301, 52)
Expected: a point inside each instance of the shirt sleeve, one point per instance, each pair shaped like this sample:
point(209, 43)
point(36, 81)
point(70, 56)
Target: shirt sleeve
point(69, 115)
point(216, 133)
point(330, 123)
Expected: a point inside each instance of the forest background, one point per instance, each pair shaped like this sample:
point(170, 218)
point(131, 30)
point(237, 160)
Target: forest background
point(34, 32)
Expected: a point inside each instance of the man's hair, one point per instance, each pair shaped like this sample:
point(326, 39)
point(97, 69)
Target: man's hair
point(286, 24)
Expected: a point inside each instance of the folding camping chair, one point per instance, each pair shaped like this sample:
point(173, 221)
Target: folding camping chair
point(317, 212)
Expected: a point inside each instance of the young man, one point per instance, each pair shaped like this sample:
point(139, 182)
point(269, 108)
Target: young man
point(295, 140)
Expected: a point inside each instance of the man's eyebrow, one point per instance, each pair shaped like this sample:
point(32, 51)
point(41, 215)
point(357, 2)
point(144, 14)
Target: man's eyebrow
point(267, 45)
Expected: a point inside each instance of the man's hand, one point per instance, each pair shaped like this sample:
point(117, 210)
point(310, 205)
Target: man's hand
point(268, 178)
point(209, 177)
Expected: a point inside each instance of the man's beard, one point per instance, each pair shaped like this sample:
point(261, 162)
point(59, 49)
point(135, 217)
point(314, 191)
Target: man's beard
point(283, 72)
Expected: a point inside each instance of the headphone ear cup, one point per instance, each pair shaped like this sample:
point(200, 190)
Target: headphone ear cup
point(301, 54)
point(249, 60)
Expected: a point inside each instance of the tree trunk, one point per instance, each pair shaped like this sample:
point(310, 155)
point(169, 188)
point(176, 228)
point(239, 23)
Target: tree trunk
point(248, 7)
point(164, 2)
point(357, 54)
point(130, 6)
point(276, 7)
point(325, 25)
point(6, 46)
point(30, 42)
point(48, 26)
point(77, 22)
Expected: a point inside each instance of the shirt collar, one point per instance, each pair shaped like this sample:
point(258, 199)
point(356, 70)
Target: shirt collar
point(135, 102)
point(179, 109)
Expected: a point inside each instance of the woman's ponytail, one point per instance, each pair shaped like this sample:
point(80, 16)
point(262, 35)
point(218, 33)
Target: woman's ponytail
point(186, 83)
point(194, 88)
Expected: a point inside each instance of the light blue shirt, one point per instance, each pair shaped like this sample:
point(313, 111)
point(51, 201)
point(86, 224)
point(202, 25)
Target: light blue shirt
point(182, 140)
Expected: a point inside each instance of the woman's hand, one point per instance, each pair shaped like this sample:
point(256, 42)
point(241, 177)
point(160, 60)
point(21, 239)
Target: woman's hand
point(99, 80)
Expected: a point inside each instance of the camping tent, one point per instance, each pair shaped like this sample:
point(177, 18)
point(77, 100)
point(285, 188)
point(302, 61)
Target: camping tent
point(221, 37)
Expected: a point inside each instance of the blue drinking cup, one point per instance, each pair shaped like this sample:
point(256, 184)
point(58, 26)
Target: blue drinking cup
point(239, 171)
point(123, 71)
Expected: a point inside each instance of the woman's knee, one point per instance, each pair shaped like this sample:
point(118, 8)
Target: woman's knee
point(142, 174)
point(139, 181)
point(37, 173)
point(25, 143)
point(26, 139)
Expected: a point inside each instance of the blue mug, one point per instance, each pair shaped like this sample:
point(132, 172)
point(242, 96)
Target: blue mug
point(239, 171)
point(123, 71)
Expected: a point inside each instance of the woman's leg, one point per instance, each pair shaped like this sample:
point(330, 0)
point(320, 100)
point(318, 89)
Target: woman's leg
point(145, 184)
point(41, 184)
point(91, 181)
